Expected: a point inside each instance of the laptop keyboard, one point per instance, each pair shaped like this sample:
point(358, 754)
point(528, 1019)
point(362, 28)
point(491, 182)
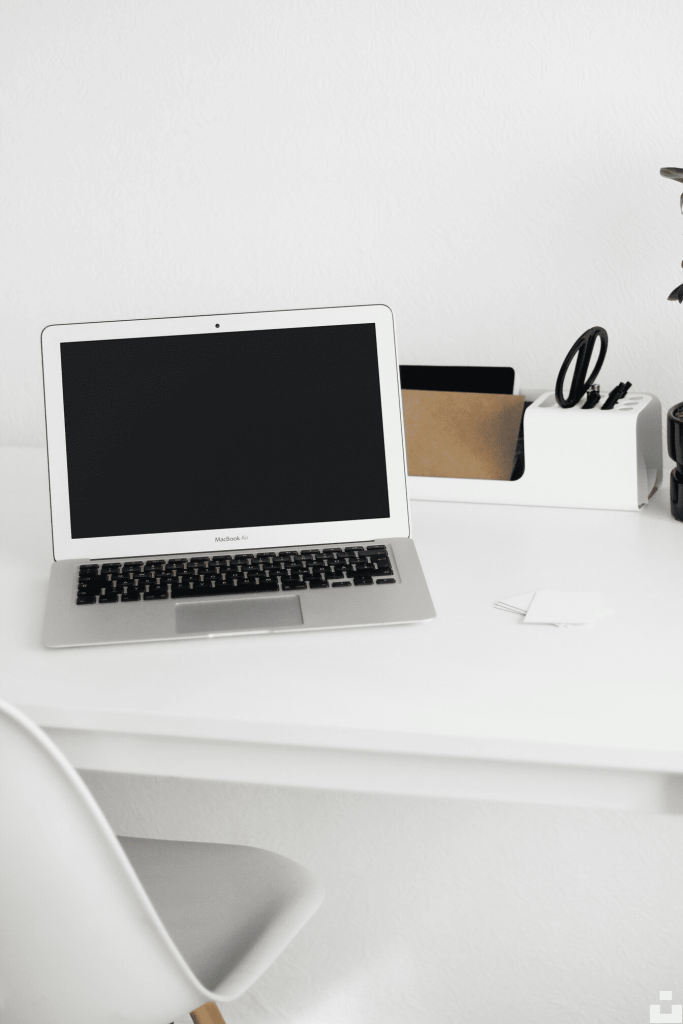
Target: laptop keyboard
point(262, 572)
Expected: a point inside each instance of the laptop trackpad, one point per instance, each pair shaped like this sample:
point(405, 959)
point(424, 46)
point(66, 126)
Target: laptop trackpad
point(233, 614)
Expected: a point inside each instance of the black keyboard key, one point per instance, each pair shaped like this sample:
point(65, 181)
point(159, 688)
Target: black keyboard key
point(332, 551)
point(310, 551)
point(318, 584)
point(257, 588)
point(221, 588)
point(363, 581)
point(266, 554)
point(110, 566)
point(351, 550)
point(381, 572)
point(156, 595)
point(334, 575)
point(197, 592)
point(86, 599)
point(93, 586)
point(131, 595)
point(346, 583)
point(132, 565)
point(109, 598)
point(293, 585)
point(378, 582)
point(376, 547)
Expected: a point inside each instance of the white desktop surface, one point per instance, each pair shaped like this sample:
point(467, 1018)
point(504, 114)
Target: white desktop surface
point(474, 704)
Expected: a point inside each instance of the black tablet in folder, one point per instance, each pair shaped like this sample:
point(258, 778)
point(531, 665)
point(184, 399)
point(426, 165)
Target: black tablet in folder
point(483, 380)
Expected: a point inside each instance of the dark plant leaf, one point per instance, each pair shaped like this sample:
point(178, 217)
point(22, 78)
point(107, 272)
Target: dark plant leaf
point(676, 173)
point(677, 293)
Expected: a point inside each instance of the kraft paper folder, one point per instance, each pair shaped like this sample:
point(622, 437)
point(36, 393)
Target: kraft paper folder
point(454, 428)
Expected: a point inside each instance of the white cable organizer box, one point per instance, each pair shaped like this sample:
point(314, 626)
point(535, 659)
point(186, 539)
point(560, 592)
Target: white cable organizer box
point(573, 458)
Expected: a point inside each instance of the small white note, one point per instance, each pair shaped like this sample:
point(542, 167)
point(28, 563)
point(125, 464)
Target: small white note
point(563, 607)
point(520, 603)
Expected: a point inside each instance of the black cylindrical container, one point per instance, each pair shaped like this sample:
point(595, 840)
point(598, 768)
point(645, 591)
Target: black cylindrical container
point(674, 443)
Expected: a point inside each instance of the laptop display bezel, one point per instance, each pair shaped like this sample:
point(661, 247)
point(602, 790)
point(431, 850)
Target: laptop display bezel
point(397, 524)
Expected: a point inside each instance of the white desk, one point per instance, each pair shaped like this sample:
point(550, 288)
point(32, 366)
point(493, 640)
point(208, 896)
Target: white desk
point(472, 705)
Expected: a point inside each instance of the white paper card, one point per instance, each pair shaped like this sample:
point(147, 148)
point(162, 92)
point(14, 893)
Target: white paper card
point(571, 607)
point(520, 603)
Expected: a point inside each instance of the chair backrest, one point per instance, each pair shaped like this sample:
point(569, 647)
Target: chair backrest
point(80, 942)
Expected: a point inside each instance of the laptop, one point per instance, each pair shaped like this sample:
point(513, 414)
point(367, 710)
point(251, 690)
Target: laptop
point(229, 474)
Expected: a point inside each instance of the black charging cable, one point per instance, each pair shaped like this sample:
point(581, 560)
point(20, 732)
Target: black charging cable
point(616, 394)
point(592, 397)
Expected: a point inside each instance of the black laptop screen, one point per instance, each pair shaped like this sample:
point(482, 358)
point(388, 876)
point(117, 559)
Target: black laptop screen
point(219, 431)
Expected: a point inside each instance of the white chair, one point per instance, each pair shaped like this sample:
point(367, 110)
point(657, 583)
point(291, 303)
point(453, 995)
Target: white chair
point(97, 930)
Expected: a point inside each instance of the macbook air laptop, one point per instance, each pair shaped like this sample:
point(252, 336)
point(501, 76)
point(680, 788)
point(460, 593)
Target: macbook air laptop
point(216, 475)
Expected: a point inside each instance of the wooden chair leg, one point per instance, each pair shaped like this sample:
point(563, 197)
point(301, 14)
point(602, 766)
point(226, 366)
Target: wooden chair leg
point(207, 1014)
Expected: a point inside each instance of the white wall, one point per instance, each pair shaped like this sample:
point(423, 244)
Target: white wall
point(489, 168)
point(444, 912)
